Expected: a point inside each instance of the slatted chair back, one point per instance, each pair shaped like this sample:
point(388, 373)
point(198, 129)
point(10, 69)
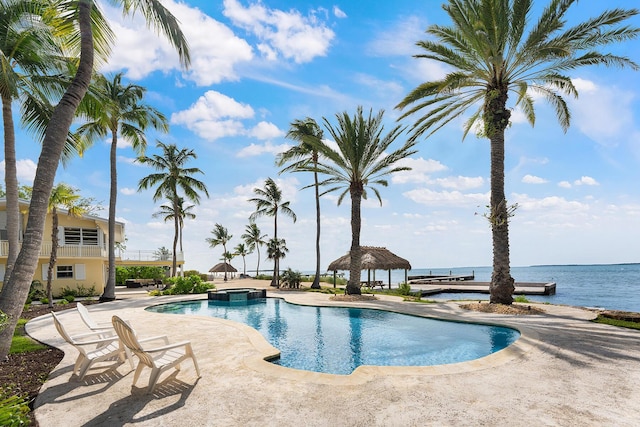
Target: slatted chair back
point(130, 340)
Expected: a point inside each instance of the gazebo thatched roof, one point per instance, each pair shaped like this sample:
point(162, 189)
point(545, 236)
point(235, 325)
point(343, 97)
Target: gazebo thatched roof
point(219, 268)
point(373, 258)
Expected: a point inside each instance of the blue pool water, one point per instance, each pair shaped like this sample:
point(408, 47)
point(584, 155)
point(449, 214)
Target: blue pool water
point(337, 340)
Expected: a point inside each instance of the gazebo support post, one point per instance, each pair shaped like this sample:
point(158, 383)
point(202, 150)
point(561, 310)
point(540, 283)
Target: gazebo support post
point(406, 279)
point(334, 278)
point(389, 279)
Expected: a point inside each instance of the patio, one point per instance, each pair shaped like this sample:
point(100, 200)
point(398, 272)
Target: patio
point(564, 370)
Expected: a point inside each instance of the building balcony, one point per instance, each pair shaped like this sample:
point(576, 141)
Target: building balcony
point(148, 255)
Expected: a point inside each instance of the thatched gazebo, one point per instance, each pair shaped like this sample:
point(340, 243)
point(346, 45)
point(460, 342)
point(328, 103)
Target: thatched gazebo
point(219, 268)
point(373, 258)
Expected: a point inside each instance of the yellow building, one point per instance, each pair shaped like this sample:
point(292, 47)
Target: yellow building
point(82, 255)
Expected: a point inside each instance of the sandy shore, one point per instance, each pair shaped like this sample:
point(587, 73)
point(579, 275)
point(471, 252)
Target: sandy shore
point(564, 371)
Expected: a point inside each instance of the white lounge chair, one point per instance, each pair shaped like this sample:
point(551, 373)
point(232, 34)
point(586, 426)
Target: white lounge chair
point(98, 349)
point(158, 359)
point(92, 324)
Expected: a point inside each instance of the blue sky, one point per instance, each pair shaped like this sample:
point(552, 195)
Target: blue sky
point(257, 66)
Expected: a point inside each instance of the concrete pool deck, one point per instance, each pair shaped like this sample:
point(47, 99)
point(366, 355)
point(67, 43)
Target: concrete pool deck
point(564, 370)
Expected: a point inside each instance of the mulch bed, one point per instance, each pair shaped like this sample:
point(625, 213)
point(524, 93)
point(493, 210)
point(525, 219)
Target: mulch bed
point(26, 372)
point(518, 309)
point(351, 298)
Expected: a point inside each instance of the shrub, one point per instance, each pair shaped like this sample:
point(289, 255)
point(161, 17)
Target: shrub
point(155, 293)
point(404, 289)
point(80, 291)
point(188, 273)
point(3, 320)
point(44, 300)
point(14, 409)
point(520, 298)
point(139, 272)
point(36, 291)
point(69, 298)
point(290, 278)
point(187, 285)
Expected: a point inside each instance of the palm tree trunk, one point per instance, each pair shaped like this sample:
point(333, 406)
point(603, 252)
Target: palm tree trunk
point(258, 265)
point(502, 284)
point(316, 280)
point(16, 288)
point(353, 286)
point(275, 280)
point(11, 190)
point(224, 260)
point(176, 227)
point(54, 253)
point(109, 293)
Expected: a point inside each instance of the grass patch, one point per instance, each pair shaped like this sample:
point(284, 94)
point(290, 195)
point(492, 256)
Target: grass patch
point(21, 343)
point(616, 322)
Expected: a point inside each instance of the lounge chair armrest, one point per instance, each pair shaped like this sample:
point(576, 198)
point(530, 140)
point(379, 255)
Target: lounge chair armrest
point(99, 334)
point(169, 347)
point(157, 337)
point(97, 341)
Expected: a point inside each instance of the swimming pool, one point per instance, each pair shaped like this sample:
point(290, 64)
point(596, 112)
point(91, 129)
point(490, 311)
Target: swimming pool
point(337, 340)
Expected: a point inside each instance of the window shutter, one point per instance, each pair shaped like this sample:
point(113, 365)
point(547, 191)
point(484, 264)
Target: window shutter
point(2, 270)
point(80, 272)
point(45, 271)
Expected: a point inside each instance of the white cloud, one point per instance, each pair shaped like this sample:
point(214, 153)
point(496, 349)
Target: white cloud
point(446, 198)
point(214, 116)
point(400, 40)
point(128, 191)
point(266, 130)
point(549, 204)
point(286, 34)
point(141, 51)
point(586, 180)
point(25, 171)
point(532, 179)
point(338, 13)
point(460, 182)
point(257, 149)
point(603, 113)
point(420, 172)
point(564, 184)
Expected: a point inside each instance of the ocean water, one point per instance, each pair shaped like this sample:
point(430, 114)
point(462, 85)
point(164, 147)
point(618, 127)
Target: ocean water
point(610, 286)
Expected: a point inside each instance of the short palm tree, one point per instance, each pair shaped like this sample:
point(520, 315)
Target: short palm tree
point(241, 250)
point(172, 179)
point(168, 214)
point(221, 236)
point(300, 156)
point(276, 250)
point(254, 238)
point(91, 30)
point(122, 113)
point(494, 52)
point(360, 162)
point(66, 197)
point(269, 202)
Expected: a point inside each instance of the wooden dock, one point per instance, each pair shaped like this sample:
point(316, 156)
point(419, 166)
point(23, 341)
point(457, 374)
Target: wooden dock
point(470, 286)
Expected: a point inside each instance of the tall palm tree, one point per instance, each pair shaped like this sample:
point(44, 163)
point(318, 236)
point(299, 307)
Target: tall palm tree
point(168, 214)
point(299, 156)
point(495, 52)
point(66, 197)
point(27, 48)
point(241, 250)
point(85, 17)
point(254, 238)
point(276, 250)
point(221, 236)
point(172, 178)
point(269, 202)
point(122, 113)
point(360, 162)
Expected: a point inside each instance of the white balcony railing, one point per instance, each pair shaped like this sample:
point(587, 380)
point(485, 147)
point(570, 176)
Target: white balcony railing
point(147, 255)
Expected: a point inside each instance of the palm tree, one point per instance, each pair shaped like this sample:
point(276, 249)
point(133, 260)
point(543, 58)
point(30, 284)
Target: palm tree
point(121, 113)
point(85, 17)
point(254, 238)
point(62, 196)
point(269, 202)
point(361, 161)
point(492, 57)
point(221, 236)
point(172, 177)
point(299, 156)
point(27, 48)
point(276, 250)
point(167, 213)
point(241, 250)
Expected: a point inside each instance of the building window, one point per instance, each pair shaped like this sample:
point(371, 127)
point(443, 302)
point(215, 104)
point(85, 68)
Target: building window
point(81, 236)
point(64, 272)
